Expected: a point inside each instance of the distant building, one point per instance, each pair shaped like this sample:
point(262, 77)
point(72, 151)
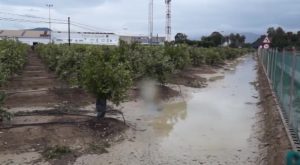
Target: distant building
point(26, 36)
point(91, 38)
point(143, 40)
point(35, 36)
point(32, 37)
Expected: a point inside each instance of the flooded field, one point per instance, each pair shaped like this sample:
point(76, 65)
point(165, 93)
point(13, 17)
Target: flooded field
point(213, 125)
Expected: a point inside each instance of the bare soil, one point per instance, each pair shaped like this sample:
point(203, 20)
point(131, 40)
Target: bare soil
point(188, 77)
point(37, 131)
point(275, 140)
point(37, 87)
point(85, 136)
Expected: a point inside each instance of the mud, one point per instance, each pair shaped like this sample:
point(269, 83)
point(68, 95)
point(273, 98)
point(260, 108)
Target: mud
point(165, 93)
point(213, 125)
point(275, 142)
point(37, 87)
point(80, 138)
point(47, 114)
point(219, 124)
point(188, 77)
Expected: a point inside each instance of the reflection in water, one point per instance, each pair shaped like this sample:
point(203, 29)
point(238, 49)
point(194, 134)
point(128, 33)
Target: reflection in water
point(169, 116)
point(217, 121)
point(213, 127)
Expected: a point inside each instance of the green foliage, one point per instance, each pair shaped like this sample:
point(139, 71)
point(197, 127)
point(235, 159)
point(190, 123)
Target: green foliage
point(4, 115)
point(179, 55)
point(157, 65)
point(212, 57)
point(69, 65)
point(280, 39)
point(181, 38)
point(56, 152)
point(147, 61)
point(99, 148)
point(50, 54)
point(108, 72)
point(236, 40)
point(197, 56)
point(216, 38)
point(104, 75)
point(12, 58)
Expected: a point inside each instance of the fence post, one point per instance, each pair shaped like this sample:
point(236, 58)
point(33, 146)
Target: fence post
point(281, 75)
point(292, 88)
point(268, 60)
point(272, 69)
point(271, 66)
point(276, 66)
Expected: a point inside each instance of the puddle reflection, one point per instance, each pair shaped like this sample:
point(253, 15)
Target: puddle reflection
point(171, 114)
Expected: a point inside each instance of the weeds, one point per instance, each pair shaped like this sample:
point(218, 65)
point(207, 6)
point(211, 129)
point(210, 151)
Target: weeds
point(56, 152)
point(4, 115)
point(99, 148)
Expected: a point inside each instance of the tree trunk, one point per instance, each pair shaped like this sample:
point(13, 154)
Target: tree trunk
point(101, 106)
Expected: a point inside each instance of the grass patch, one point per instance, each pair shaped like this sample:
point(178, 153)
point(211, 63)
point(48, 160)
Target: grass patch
point(56, 152)
point(99, 148)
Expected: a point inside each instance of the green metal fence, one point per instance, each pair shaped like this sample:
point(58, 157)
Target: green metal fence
point(283, 71)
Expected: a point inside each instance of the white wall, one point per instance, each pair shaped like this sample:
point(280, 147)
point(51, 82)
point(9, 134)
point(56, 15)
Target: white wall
point(30, 41)
point(85, 38)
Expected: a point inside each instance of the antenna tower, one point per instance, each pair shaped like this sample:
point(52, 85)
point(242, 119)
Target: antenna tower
point(168, 21)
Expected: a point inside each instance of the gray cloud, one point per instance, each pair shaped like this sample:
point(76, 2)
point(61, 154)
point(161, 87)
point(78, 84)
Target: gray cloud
point(57, 3)
point(193, 17)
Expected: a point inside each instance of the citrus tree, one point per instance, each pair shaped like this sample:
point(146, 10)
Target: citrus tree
point(106, 77)
point(12, 58)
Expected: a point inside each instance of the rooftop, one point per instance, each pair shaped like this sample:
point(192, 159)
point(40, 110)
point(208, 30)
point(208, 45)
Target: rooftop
point(23, 33)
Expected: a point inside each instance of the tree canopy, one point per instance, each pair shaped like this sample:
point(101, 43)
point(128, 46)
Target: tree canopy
point(181, 38)
point(280, 39)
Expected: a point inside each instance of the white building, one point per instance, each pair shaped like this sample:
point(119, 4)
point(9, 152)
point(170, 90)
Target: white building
point(29, 37)
point(91, 38)
point(144, 40)
point(32, 37)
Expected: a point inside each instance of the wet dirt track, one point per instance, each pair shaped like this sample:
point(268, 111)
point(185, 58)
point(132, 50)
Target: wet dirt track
point(213, 125)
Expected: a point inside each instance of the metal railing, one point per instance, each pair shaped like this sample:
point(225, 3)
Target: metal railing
point(283, 71)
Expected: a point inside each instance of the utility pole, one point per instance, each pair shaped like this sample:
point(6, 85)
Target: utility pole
point(69, 32)
point(49, 6)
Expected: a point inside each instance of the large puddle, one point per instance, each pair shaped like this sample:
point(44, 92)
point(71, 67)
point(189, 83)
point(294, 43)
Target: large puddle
point(217, 122)
point(215, 126)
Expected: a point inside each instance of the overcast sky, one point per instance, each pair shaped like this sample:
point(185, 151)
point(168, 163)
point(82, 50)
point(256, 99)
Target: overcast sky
point(193, 17)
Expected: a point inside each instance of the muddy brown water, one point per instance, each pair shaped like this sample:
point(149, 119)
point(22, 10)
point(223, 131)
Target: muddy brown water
point(214, 125)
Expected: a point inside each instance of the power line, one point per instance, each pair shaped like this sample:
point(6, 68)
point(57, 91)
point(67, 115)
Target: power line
point(30, 16)
point(81, 25)
point(29, 21)
point(93, 27)
point(38, 21)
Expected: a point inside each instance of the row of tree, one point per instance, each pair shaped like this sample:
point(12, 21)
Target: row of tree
point(12, 59)
point(108, 72)
point(279, 38)
point(216, 39)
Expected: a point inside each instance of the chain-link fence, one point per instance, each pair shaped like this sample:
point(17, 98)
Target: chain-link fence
point(283, 70)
